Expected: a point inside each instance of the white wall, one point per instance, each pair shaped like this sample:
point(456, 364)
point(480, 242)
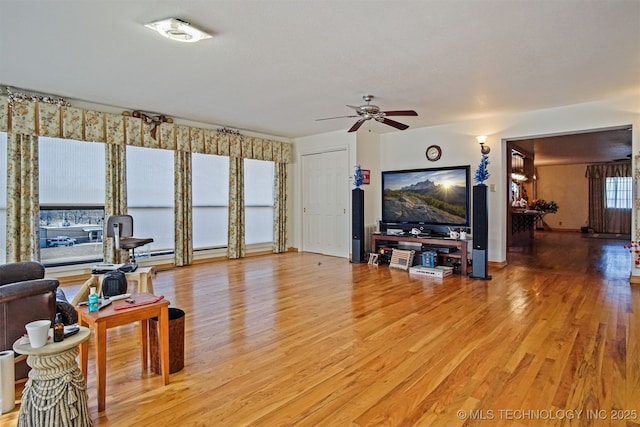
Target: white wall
point(315, 144)
point(368, 157)
point(405, 150)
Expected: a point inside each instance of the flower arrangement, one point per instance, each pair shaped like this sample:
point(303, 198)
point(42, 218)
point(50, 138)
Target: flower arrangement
point(543, 205)
point(634, 248)
point(358, 179)
point(482, 173)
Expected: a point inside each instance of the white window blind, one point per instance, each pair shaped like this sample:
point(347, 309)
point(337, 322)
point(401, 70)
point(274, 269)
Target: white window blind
point(210, 187)
point(150, 193)
point(258, 193)
point(71, 195)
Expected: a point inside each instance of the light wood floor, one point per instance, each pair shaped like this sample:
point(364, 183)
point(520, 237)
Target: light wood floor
point(308, 340)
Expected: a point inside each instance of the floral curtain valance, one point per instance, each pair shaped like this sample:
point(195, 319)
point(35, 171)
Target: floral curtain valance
point(608, 170)
point(58, 121)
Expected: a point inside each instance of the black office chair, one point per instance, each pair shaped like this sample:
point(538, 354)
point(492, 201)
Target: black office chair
point(120, 227)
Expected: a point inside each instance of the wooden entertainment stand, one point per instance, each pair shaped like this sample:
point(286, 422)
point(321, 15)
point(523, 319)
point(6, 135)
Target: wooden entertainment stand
point(377, 239)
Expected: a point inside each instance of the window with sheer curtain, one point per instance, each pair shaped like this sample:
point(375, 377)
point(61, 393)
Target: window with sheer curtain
point(618, 203)
point(618, 192)
point(610, 197)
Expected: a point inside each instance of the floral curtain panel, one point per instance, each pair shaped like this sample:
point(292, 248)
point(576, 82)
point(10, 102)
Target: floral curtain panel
point(183, 253)
point(280, 208)
point(115, 202)
point(23, 208)
point(235, 245)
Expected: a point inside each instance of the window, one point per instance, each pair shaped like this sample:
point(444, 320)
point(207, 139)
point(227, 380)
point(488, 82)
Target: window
point(210, 187)
point(618, 193)
point(258, 194)
point(150, 194)
point(72, 191)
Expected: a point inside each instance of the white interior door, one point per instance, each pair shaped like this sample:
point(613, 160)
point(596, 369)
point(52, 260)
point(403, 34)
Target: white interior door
point(325, 195)
point(312, 195)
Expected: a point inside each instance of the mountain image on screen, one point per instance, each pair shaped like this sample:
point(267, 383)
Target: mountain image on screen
point(426, 201)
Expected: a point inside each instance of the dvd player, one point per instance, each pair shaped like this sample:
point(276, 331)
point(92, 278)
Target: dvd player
point(443, 249)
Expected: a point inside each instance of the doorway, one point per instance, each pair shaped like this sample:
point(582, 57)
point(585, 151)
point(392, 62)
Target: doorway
point(554, 169)
point(325, 196)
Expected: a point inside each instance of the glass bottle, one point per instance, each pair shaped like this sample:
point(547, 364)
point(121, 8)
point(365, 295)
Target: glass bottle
point(58, 329)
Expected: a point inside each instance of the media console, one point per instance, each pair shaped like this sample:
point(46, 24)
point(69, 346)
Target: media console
point(377, 240)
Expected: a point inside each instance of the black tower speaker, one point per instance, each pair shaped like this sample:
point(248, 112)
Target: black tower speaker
point(357, 225)
point(480, 223)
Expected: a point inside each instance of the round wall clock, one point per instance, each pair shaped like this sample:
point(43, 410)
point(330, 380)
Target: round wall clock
point(433, 153)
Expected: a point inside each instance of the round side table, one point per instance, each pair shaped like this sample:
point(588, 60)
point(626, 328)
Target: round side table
point(56, 392)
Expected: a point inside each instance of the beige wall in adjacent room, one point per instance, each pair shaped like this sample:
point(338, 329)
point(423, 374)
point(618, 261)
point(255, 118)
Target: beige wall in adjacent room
point(567, 186)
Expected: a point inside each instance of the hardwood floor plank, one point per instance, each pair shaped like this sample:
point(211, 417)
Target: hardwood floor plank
point(301, 339)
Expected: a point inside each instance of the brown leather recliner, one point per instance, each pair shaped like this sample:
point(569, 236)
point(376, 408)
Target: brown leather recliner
point(25, 296)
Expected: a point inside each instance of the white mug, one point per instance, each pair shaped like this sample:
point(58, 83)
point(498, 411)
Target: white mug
point(38, 332)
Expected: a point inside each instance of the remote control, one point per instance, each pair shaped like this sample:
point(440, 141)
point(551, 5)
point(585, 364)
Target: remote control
point(70, 330)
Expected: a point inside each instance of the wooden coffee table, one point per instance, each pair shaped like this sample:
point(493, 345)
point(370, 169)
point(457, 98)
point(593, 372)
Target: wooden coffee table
point(119, 313)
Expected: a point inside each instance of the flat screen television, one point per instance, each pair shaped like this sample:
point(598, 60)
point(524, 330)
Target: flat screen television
point(433, 200)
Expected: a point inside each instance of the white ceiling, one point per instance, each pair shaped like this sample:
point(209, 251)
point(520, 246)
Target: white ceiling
point(274, 67)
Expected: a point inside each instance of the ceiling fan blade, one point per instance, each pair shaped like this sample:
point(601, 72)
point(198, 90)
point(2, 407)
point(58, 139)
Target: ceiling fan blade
point(337, 117)
point(400, 113)
point(357, 125)
point(393, 123)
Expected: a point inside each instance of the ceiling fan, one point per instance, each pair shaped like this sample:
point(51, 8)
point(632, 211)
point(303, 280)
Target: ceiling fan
point(369, 111)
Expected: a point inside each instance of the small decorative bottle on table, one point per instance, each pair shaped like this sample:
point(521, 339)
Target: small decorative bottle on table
point(58, 329)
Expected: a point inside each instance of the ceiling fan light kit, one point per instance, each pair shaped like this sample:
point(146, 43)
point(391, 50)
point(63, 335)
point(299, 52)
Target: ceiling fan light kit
point(370, 111)
point(178, 30)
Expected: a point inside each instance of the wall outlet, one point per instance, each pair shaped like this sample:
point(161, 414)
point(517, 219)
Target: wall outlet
point(492, 188)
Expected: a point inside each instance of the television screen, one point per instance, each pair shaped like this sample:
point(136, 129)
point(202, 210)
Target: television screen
point(437, 196)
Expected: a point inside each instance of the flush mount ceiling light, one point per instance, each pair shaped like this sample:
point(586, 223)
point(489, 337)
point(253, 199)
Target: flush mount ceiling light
point(178, 30)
